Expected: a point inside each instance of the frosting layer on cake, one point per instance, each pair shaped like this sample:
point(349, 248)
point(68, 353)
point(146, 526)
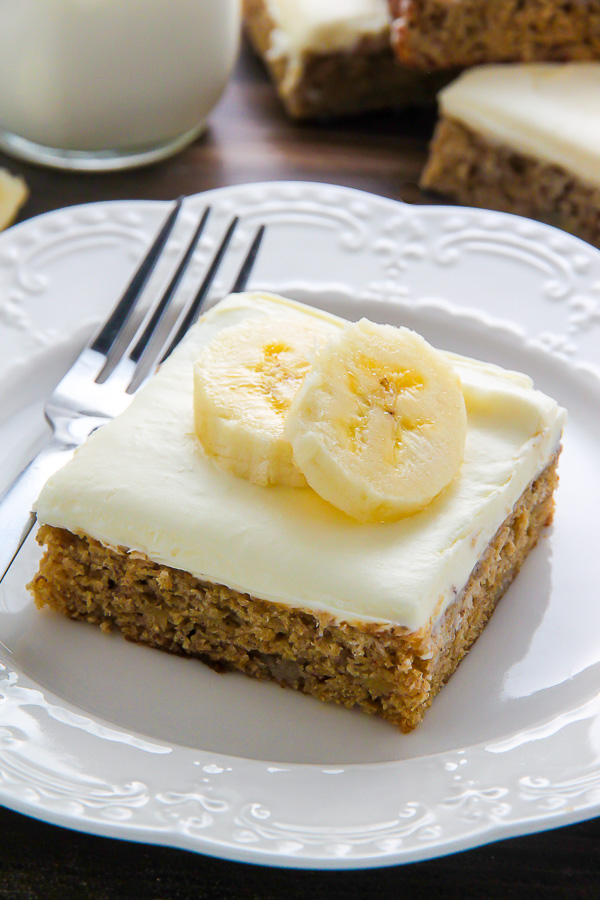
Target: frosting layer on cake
point(550, 111)
point(142, 482)
point(326, 26)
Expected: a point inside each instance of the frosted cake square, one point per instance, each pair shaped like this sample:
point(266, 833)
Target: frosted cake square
point(145, 532)
point(523, 139)
point(332, 58)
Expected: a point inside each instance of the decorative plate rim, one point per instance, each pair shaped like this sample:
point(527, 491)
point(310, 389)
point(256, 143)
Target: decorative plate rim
point(227, 806)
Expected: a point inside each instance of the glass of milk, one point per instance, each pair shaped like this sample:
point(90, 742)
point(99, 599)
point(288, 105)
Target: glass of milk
point(110, 84)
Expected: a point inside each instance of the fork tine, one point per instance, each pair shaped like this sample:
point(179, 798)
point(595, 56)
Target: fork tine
point(156, 332)
point(244, 274)
point(196, 305)
point(149, 356)
point(115, 323)
point(141, 345)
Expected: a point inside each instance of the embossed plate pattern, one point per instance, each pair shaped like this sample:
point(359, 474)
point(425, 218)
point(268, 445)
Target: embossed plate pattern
point(119, 740)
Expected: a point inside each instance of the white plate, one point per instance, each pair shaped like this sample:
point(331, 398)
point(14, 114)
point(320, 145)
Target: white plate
point(120, 740)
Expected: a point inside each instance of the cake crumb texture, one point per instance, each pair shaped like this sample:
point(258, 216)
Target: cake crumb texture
point(439, 34)
point(382, 669)
point(476, 171)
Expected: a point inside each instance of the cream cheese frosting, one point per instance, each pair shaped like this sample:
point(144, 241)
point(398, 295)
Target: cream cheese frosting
point(143, 482)
point(326, 26)
point(550, 111)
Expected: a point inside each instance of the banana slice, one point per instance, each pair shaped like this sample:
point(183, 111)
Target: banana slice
point(378, 426)
point(244, 382)
point(13, 194)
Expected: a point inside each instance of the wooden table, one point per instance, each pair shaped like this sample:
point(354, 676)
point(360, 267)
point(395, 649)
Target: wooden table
point(250, 139)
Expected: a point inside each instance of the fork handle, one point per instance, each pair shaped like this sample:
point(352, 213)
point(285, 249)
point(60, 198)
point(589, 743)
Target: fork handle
point(16, 515)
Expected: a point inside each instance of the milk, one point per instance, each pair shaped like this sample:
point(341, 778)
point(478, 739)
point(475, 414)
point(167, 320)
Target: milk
point(120, 75)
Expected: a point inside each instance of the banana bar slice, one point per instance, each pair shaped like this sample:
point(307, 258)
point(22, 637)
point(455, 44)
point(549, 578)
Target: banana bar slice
point(147, 531)
point(523, 139)
point(334, 57)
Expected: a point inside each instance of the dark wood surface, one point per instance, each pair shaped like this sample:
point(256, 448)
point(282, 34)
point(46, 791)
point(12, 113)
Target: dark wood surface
point(250, 139)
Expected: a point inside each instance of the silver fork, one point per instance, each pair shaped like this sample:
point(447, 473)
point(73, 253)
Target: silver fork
point(118, 359)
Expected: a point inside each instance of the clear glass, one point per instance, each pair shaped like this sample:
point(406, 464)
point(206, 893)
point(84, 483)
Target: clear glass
point(110, 84)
